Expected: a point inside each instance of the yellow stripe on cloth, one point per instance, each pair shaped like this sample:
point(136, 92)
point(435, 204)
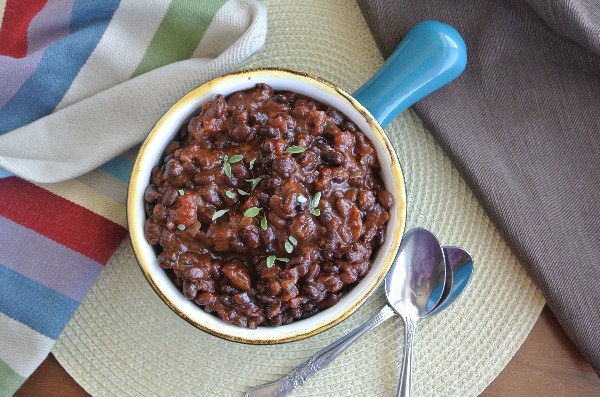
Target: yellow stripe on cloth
point(2, 7)
point(105, 184)
point(89, 198)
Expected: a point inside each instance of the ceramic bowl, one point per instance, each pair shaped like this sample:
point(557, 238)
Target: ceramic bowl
point(366, 120)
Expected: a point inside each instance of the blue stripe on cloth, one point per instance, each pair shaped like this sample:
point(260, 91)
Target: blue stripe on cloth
point(119, 167)
point(62, 269)
point(4, 173)
point(37, 306)
point(60, 64)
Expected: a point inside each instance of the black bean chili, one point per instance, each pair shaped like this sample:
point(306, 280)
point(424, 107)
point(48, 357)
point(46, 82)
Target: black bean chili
point(267, 207)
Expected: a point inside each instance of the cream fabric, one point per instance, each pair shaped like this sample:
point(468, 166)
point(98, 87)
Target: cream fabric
point(124, 341)
point(22, 346)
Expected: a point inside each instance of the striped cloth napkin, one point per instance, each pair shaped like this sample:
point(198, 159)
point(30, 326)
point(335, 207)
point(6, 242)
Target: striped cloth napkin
point(82, 83)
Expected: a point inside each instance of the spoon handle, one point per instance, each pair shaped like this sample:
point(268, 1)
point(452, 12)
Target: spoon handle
point(320, 360)
point(405, 386)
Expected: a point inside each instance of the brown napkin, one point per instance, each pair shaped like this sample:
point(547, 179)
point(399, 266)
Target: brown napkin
point(522, 124)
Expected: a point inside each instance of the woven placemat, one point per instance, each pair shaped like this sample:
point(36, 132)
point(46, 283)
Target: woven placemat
point(124, 341)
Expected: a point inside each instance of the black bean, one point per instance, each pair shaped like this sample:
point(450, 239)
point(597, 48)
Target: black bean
point(336, 117)
point(267, 236)
point(284, 166)
point(169, 197)
point(168, 259)
point(151, 195)
point(204, 179)
point(174, 167)
point(152, 231)
point(190, 289)
point(269, 131)
point(332, 156)
point(385, 199)
point(257, 118)
point(250, 237)
point(242, 133)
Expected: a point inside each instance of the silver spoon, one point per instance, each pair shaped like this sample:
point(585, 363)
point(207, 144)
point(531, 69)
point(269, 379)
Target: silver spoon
point(320, 360)
point(459, 268)
point(414, 289)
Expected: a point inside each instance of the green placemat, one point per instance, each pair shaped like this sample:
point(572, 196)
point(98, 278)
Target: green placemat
point(124, 341)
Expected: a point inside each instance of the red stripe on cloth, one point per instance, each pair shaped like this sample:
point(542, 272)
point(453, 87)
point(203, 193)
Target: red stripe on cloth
point(17, 16)
point(59, 219)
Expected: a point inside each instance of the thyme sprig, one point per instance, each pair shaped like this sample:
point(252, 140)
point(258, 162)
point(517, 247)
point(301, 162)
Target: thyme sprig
point(227, 161)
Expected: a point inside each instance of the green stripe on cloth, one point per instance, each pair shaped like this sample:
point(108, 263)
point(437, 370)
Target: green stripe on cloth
point(179, 33)
point(10, 381)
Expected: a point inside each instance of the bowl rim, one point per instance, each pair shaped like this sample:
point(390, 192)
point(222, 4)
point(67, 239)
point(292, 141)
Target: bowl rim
point(205, 90)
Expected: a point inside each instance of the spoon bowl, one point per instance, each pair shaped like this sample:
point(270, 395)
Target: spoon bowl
point(416, 284)
point(459, 268)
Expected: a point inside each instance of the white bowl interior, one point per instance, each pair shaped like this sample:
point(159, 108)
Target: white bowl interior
point(150, 155)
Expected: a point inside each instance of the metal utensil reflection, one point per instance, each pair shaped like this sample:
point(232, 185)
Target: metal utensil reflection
point(459, 268)
point(414, 288)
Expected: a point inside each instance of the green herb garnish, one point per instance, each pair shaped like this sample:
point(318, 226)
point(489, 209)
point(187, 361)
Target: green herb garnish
point(227, 169)
point(289, 247)
point(315, 203)
point(243, 193)
point(295, 149)
point(316, 199)
point(254, 182)
point(301, 199)
point(252, 163)
point(230, 194)
point(227, 161)
point(219, 214)
point(181, 192)
point(235, 158)
point(271, 260)
point(263, 222)
point(251, 212)
point(181, 227)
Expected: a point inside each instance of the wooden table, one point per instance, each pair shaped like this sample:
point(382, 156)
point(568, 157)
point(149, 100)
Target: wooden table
point(547, 364)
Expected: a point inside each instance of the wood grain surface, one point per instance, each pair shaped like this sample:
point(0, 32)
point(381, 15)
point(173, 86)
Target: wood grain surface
point(547, 364)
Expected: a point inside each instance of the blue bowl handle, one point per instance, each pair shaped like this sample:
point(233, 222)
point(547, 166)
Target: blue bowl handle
point(431, 55)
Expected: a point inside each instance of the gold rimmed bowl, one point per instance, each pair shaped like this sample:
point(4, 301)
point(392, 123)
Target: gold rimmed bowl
point(396, 86)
